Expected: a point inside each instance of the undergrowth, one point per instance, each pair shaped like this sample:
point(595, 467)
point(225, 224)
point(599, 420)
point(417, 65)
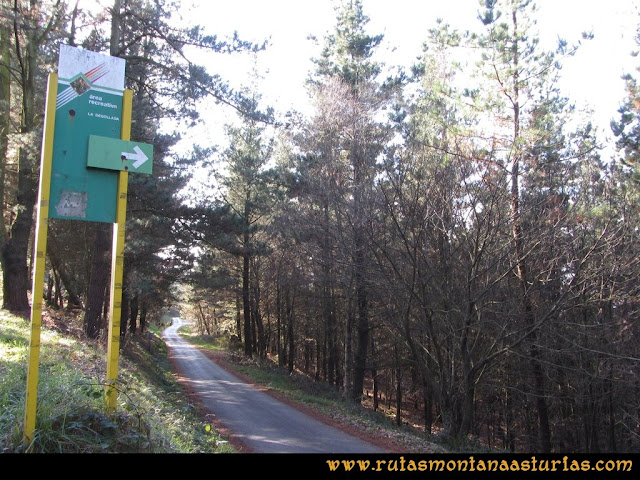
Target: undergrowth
point(152, 416)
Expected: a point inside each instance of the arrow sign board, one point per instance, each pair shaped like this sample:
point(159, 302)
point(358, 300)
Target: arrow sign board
point(115, 154)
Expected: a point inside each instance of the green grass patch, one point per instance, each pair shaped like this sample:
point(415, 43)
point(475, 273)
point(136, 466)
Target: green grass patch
point(152, 416)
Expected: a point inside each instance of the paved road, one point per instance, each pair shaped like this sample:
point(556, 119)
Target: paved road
point(261, 422)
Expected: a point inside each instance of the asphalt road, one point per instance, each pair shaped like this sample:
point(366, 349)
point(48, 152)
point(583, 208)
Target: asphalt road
point(262, 423)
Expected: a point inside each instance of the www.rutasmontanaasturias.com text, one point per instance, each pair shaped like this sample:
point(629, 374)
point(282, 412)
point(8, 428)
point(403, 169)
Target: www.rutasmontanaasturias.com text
point(472, 464)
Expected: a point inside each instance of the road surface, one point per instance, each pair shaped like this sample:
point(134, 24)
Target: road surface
point(262, 423)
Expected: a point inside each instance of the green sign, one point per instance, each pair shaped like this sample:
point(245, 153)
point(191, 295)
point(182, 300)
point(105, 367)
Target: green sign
point(123, 155)
point(89, 102)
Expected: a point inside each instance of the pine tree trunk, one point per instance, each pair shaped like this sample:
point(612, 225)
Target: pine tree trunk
point(16, 247)
point(15, 250)
point(257, 316)
point(428, 407)
point(348, 349)
point(279, 320)
point(362, 330)
point(143, 316)
point(133, 315)
point(374, 375)
point(362, 326)
point(398, 388)
point(5, 120)
point(328, 307)
point(239, 317)
point(98, 280)
point(521, 264)
point(246, 306)
point(63, 276)
point(290, 337)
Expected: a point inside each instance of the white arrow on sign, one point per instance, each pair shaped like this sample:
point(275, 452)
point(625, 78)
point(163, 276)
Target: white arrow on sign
point(139, 156)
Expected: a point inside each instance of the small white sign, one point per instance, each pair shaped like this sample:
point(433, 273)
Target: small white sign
point(86, 69)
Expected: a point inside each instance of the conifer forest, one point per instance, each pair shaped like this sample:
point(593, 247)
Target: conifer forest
point(453, 239)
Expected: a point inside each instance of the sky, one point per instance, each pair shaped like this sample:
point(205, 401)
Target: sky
point(592, 77)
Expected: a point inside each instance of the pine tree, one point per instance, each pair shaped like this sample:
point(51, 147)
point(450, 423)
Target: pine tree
point(5, 112)
point(348, 58)
point(531, 143)
point(627, 128)
point(247, 195)
point(34, 25)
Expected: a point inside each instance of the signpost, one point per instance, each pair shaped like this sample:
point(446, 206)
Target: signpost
point(85, 161)
point(116, 154)
point(89, 102)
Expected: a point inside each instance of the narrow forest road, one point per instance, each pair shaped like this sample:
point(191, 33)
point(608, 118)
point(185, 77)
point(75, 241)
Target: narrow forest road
point(259, 421)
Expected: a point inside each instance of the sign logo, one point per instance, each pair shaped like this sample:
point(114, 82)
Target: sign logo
point(81, 84)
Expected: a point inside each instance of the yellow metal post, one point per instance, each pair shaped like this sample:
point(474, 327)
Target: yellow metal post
point(37, 289)
point(117, 265)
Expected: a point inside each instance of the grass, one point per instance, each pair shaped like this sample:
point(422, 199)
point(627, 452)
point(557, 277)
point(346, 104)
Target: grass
point(152, 416)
